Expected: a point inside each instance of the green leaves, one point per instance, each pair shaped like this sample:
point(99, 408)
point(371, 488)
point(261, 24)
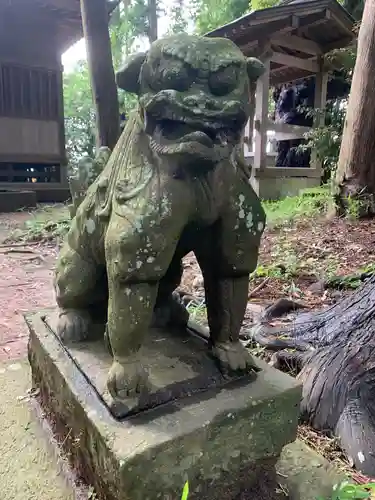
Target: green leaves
point(185, 491)
point(210, 14)
point(347, 491)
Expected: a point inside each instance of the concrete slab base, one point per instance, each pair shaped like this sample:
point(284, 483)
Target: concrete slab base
point(225, 440)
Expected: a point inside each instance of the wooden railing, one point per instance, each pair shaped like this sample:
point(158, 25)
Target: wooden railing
point(275, 132)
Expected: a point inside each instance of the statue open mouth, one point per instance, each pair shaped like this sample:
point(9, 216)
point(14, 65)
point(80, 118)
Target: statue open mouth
point(175, 131)
point(206, 131)
point(202, 132)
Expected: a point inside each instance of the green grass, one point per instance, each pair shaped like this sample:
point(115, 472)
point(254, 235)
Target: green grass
point(52, 222)
point(309, 204)
point(198, 311)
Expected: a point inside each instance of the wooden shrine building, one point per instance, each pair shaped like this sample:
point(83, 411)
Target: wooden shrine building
point(33, 36)
point(291, 39)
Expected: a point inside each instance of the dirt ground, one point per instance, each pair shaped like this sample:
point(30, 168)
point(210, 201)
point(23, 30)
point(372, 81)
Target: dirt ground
point(292, 258)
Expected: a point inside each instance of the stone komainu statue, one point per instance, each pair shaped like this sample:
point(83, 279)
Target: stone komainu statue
point(174, 183)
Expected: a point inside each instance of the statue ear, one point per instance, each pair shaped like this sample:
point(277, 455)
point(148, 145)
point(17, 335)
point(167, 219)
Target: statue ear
point(255, 68)
point(127, 78)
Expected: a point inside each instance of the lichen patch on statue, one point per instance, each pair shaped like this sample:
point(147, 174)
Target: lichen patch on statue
point(173, 184)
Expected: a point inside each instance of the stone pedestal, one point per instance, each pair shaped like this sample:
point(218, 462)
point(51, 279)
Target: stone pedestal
point(225, 438)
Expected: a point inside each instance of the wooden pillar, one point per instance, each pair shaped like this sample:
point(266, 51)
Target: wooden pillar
point(261, 117)
point(95, 19)
point(320, 101)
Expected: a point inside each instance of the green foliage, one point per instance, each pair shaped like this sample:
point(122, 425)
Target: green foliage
point(347, 491)
point(78, 104)
point(210, 14)
point(198, 310)
point(47, 223)
point(79, 113)
point(263, 4)
point(344, 491)
point(325, 141)
point(178, 21)
point(310, 203)
point(185, 491)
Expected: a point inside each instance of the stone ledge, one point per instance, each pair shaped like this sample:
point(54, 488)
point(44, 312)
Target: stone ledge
point(224, 441)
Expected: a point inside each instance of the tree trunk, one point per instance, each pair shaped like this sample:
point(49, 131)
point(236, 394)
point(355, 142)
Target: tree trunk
point(95, 28)
point(355, 176)
point(152, 20)
point(334, 352)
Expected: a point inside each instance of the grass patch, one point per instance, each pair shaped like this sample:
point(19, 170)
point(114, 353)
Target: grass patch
point(47, 223)
point(198, 311)
point(311, 203)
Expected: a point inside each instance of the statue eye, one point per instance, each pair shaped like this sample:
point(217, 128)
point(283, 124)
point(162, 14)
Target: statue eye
point(170, 75)
point(224, 81)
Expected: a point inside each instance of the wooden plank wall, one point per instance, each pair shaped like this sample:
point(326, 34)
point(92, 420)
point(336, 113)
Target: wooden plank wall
point(31, 118)
point(21, 138)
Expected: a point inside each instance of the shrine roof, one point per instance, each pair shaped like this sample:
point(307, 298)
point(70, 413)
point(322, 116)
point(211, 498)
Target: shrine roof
point(294, 29)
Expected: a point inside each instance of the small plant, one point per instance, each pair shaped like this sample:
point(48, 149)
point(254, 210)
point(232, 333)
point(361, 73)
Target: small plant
point(347, 491)
point(354, 208)
point(185, 491)
point(197, 310)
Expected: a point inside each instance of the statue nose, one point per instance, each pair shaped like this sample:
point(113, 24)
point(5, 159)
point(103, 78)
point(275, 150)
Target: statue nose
point(199, 102)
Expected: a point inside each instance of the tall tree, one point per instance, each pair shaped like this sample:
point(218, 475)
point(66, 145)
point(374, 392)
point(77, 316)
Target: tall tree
point(95, 20)
point(355, 176)
point(152, 20)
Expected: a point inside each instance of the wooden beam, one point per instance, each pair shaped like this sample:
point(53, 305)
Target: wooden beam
point(285, 132)
point(265, 32)
point(261, 117)
point(299, 74)
point(297, 43)
point(102, 75)
point(320, 101)
point(295, 62)
point(338, 44)
point(251, 36)
point(285, 172)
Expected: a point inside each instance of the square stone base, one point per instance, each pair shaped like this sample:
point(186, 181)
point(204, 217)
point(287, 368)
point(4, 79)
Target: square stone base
point(224, 440)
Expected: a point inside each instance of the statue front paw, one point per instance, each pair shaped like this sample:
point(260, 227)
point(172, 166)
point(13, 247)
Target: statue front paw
point(127, 379)
point(73, 325)
point(233, 356)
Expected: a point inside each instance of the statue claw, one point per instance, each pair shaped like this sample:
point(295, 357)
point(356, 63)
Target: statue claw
point(233, 356)
point(127, 380)
point(73, 325)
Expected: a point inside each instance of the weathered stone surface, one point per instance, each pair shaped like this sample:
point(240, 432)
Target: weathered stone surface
point(178, 365)
point(306, 474)
point(175, 183)
point(225, 441)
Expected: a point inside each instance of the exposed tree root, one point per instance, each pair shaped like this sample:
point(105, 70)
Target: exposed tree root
point(334, 351)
